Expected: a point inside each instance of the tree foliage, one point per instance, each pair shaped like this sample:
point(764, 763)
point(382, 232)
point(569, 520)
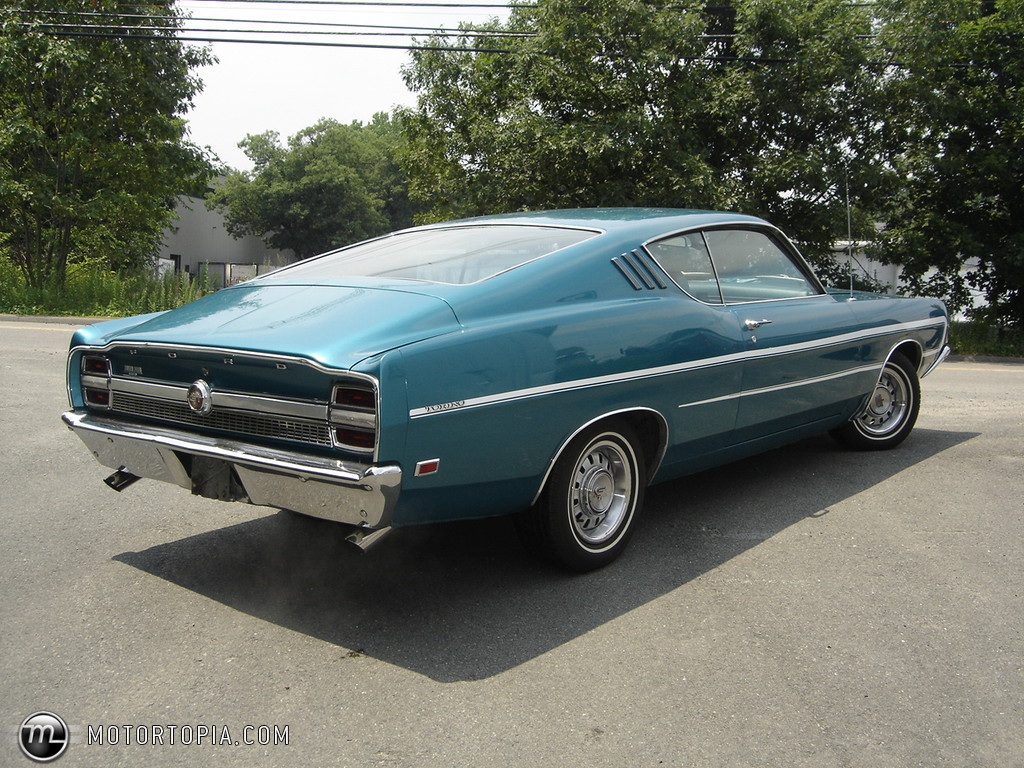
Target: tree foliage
point(93, 146)
point(330, 185)
point(912, 108)
point(956, 139)
point(743, 105)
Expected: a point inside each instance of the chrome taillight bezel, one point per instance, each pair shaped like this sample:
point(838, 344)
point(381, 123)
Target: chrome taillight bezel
point(96, 372)
point(96, 365)
point(353, 413)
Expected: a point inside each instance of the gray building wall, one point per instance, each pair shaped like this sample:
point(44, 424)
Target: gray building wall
point(199, 237)
point(887, 274)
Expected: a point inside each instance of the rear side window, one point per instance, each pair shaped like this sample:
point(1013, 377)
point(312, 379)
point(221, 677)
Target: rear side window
point(751, 266)
point(732, 266)
point(686, 260)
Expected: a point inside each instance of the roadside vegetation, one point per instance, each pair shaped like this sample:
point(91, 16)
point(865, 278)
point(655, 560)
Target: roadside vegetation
point(977, 339)
point(329, 185)
point(94, 146)
point(92, 290)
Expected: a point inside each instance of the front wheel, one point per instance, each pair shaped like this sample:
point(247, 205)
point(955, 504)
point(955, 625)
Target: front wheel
point(586, 513)
point(890, 412)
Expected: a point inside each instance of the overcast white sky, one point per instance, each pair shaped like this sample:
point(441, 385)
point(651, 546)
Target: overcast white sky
point(255, 88)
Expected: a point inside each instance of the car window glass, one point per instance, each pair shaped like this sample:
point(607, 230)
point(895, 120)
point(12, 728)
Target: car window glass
point(751, 266)
point(457, 255)
point(686, 260)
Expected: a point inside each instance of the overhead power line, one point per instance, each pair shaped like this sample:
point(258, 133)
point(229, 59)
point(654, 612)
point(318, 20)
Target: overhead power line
point(256, 41)
point(176, 29)
point(89, 15)
point(115, 29)
point(760, 61)
point(485, 6)
point(377, 3)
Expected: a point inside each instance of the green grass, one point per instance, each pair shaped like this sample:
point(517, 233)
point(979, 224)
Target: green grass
point(979, 339)
point(96, 292)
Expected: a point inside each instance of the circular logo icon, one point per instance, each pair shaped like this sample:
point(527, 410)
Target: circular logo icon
point(43, 737)
point(200, 397)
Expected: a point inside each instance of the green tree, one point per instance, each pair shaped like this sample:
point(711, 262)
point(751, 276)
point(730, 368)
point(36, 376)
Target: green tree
point(744, 105)
point(956, 133)
point(93, 145)
point(332, 184)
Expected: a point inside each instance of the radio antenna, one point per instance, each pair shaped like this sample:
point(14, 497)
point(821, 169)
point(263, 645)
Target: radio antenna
point(849, 229)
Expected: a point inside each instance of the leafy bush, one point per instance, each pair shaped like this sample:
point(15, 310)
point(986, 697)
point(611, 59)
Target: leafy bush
point(983, 339)
point(92, 290)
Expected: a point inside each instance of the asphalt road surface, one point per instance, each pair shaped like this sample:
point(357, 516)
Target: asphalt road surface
point(810, 607)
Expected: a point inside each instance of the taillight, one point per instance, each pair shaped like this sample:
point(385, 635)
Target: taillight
point(355, 438)
point(96, 381)
point(353, 416)
point(100, 397)
point(95, 365)
point(355, 397)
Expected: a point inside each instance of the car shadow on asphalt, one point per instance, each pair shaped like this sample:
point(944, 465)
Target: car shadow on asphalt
point(464, 601)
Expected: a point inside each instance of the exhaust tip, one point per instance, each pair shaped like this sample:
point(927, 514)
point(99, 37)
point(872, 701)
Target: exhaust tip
point(366, 539)
point(121, 479)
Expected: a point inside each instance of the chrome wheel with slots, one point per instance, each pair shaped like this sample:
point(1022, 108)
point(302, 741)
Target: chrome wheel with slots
point(890, 412)
point(585, 515)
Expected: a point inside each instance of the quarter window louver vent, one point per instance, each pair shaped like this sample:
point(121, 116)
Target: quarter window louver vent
point(637, 268)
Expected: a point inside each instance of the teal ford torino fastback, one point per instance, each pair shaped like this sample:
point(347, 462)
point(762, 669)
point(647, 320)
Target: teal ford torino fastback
point(549, 365)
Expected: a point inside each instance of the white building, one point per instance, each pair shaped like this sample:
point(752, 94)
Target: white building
point(199, 238)
point(886, 274)
point(889, 274)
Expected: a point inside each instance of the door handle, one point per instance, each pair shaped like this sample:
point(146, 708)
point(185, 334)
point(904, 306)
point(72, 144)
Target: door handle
point(752, 325)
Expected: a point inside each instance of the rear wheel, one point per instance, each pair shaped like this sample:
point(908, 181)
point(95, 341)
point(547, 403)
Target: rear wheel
point(890, 412)
point(586, 513)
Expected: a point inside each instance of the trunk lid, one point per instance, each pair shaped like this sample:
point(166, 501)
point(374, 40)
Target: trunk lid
point(336, 326)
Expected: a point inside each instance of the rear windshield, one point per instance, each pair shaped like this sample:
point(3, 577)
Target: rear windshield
point(458, 255)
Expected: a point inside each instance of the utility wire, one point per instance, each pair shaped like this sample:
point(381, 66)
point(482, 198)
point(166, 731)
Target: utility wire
point(267, 22)
point(114, 29)
point(412, 47)
point(494, 6)
point(377, 3)
point(254, 41)
point(71, 30)
point(184, 34)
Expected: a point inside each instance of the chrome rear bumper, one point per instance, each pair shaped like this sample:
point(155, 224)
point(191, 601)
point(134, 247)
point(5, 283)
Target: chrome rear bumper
point(940, 355)
point(344, 491)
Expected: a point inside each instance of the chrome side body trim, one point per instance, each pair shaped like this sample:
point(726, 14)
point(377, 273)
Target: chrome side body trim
point(788, 385)
point(568, 386)
point(343, 491)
